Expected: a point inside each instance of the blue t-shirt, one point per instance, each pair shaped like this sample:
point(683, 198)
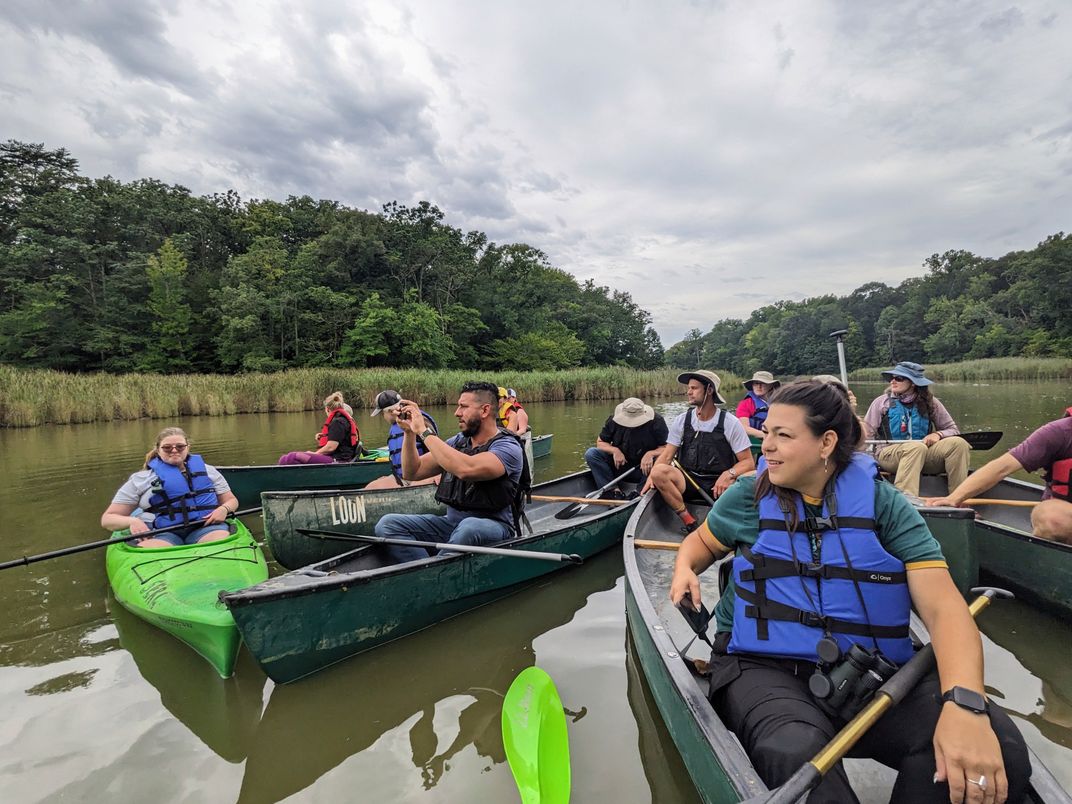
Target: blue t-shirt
point(507, 450)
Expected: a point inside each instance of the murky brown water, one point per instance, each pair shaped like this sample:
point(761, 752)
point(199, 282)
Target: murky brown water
point(97, 705)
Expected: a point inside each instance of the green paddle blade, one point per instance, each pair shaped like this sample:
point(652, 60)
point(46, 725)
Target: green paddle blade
point(535, 738)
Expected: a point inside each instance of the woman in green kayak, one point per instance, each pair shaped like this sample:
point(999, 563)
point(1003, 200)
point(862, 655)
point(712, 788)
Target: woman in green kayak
point(174, 487)
point(829, 563)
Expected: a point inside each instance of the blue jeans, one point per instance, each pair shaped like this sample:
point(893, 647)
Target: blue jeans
point(432, 528)
point(603, 469)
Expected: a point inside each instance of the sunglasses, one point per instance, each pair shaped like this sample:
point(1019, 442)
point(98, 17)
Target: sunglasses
point(173, 447)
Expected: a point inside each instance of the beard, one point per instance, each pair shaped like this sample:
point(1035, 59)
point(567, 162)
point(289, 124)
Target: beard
point(469, 427)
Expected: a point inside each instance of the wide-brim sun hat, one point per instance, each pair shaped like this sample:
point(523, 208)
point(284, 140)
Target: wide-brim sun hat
point(632, 412)
point(384, 400)
point(704, 376)
point(763, 377)
point(913, 372)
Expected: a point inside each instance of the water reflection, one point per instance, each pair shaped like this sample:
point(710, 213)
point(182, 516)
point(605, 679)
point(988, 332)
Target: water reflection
point(442, 689)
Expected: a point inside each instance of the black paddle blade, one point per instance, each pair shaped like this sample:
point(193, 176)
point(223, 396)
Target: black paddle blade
point(570, 510)
point(982, 440)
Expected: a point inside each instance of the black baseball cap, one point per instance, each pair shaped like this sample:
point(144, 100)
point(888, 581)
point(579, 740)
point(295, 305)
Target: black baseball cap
point(386, 399)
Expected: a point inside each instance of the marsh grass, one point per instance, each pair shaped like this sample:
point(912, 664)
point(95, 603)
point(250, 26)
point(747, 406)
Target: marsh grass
point(31, 397)
point(991, 368)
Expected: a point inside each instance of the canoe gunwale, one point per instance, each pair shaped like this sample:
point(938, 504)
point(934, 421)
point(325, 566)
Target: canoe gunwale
point(731, 755)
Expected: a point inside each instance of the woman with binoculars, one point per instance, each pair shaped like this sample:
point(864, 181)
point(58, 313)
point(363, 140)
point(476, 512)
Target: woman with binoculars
point(829, 562)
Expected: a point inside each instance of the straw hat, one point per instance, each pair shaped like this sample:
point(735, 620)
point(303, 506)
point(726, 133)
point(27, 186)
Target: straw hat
point(706, 377)
point(633, 413)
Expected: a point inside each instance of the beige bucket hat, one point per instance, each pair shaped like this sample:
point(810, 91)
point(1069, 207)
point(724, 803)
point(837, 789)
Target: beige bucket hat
point(633, 413)
point(704, 376)
point(764, 377)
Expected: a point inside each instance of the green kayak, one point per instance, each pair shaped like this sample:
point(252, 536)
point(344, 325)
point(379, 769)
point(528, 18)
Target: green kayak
point(177, 589)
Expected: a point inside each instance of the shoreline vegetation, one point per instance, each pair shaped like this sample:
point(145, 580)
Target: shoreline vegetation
point(994, 368)
point(33, 397)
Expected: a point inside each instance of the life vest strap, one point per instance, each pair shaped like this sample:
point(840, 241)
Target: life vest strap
point(817, 524)
point(771, 567)
point(772, 610)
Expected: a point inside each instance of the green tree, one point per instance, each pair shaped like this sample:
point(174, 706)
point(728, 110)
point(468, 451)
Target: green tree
point(171, 315)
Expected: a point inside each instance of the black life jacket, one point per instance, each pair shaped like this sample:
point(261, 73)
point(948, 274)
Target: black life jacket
point(706, 454)
point(488, 497)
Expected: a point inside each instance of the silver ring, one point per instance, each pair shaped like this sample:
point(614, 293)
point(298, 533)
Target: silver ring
point(981, 782)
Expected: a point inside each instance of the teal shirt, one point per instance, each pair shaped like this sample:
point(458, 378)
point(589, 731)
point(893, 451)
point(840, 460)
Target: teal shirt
point(734, 521)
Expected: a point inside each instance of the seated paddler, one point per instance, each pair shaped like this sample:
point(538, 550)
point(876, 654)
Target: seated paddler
point(484, 476)
point(173, 487)
point(389, 403)
point(829, 562)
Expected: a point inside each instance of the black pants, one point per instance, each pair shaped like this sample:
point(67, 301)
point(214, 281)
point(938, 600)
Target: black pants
point(767, 704)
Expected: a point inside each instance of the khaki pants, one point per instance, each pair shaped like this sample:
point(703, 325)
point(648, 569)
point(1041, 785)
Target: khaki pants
point(909, 459)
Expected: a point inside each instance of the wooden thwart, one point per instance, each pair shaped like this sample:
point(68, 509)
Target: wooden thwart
point(1016, 503)
point(584, 500)
point(654, 545)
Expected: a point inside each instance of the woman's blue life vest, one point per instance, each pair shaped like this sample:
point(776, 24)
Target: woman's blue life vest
point(394, 444)
point(787, 598)
point(760, 415)
point(904, 422)
point(180, 498)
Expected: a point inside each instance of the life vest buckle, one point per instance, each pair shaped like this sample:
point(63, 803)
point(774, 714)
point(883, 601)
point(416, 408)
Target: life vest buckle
point(811, 619)
point(811, 570)
point(817, 524)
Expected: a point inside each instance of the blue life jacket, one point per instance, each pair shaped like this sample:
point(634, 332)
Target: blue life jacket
point(904, 422)
point(394, 444)
point(179, 498)
point(762, 408)
point(786, 601)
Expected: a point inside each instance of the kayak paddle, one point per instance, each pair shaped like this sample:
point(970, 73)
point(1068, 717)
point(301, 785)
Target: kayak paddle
point(535, 738)
point(81, 548)
point(333, 535)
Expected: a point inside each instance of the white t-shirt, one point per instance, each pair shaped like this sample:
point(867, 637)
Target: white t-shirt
point(138, 488)
point(732, 429)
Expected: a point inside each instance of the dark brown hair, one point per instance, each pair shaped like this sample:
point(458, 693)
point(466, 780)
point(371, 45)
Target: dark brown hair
point(826, 407)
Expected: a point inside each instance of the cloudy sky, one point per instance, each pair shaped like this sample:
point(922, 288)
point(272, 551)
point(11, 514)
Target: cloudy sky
point(707, 157)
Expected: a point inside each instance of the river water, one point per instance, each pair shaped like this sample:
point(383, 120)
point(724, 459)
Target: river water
point(98, 705)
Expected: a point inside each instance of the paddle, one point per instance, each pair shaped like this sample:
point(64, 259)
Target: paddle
point(653, 545)
point(573, 508)
point(81, 548)
point(887, 696)
point(707, 497)
point(582, 500)
point(535, 738)
point(332, 535)
point(981, 440)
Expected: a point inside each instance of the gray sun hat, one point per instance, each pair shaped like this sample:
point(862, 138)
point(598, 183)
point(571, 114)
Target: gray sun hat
point(764, 377)
point(633, 413)
point(704, 376)
point(830, 379)
point(913, 372)
point(384, 400)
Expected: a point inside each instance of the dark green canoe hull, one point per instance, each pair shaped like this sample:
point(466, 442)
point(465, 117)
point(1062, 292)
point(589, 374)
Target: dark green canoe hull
point(541, 445)
point(249, 482)
point(345, 511)
point(308, 619)
point(1038, 570)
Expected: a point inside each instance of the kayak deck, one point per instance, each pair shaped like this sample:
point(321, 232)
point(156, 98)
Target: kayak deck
point(177, 589)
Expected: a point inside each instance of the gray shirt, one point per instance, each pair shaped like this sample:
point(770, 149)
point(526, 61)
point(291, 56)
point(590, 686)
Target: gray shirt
point(138, 488)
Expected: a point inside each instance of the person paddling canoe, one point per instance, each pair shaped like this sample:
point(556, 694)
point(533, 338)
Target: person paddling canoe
point(829, 562)
point(752, 410)
point(339, 440)
point(389, 403)
point(173, 488)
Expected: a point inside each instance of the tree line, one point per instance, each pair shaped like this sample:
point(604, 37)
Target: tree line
point(965, 307)
point(105, 275)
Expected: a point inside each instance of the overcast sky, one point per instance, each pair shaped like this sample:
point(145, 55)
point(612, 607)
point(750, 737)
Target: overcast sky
point(707, 157)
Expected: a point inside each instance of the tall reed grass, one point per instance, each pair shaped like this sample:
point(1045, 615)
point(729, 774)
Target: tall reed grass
point(991, 368)
point(31, 397)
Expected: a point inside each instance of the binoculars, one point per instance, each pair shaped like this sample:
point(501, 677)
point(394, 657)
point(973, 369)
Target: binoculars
point(848, 685)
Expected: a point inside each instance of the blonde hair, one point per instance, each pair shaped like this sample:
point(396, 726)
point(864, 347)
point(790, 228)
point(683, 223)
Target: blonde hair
point(334, 401)
point(167, 432)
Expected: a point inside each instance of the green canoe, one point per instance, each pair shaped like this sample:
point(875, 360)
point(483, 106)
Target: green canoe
point(1004, 552)
point(177, 589)
point(659, 638)
point(248, 482)
point(310, 618)
point(541, 445)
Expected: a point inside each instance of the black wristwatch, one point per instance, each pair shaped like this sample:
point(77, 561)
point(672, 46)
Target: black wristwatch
point(428, 431)
point(967, 699)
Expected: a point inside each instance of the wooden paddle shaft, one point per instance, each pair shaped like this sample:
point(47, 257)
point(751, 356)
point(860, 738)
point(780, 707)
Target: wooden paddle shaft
point(974, 501)
point(584, 500)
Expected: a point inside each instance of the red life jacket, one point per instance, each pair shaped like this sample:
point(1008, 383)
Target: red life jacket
point(1060, 474)
point(355, 433)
